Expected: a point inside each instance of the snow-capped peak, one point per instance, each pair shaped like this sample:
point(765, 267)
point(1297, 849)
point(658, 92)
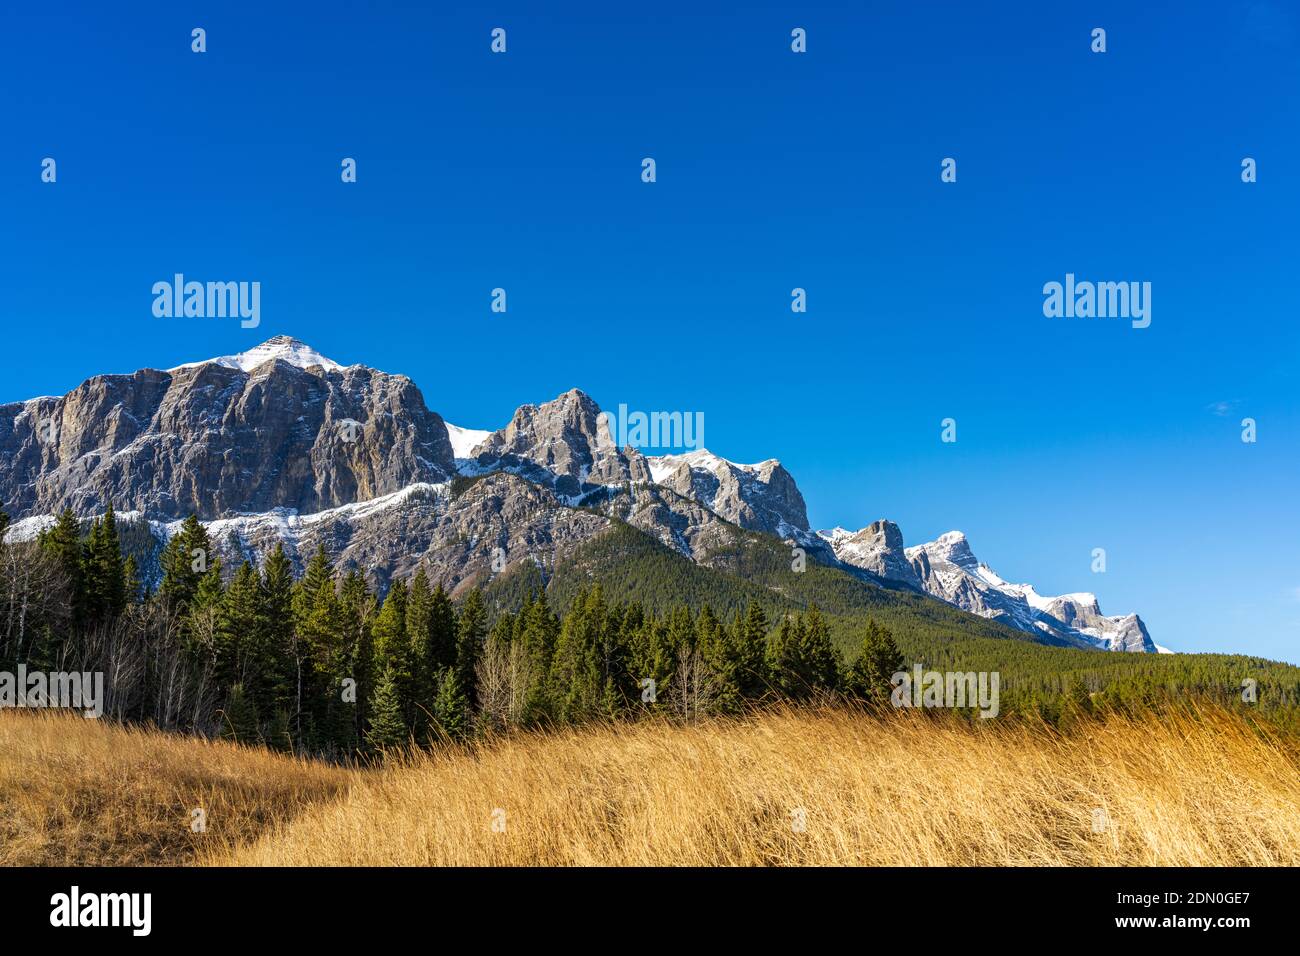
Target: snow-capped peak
point(284, 347)
point(952, 547)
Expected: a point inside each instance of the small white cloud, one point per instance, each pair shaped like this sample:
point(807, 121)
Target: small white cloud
point(1223, 408)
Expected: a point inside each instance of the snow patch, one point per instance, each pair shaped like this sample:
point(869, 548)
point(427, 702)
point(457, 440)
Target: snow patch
point(463, 440)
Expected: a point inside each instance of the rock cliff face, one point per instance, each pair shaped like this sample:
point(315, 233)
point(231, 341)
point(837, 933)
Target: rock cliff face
point(564, 443)
point(877, 548)
point(217, 439)
point(762, 497)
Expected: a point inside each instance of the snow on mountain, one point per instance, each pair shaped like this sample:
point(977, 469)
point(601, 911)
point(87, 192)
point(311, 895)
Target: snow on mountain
point(761, 497)
point(463, 440)
point(661, 466)
point(287, 348)
point(947, 568)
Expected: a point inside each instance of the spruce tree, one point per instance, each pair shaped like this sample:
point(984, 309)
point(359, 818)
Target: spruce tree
point(576, 681)
point(279, 734)
point(442, 623)
point(238, 632)
point(538, 632)
point(387, 730)
point(186, 560)
point(355, 603)
point(106, 566)
point(749, 643)
point(870, 677)
point(276, 659)
point(450, 708)
point(131, 580)
point(63, 541)
point(784, 663)
point(471, 632)
point(425, 666)
point(718, 661)
point(820, 657)
point(393, 649)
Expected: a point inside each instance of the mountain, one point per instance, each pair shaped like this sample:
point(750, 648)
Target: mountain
point(275, 427)
point(877, 548)
point(762, 497)
point(947, 568)
point(280, 444)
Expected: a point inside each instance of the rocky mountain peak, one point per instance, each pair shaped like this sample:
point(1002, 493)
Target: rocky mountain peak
point(761, 497)
point(566, 439)
point(279, 426)
point(952, 548)
point(285, 348)
point(877, 548)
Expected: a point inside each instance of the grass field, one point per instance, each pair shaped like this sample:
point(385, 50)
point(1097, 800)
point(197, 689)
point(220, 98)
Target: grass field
point(819, 786)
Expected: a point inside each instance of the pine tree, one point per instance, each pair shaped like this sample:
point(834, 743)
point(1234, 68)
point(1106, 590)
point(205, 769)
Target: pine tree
point(131, 580)
point(358, 649)
point(577, 686)
point(879, 659)
point(186, 560)
point(393, 649)
point(538, 632)
point(426, 656)
point(387, 730)
point(471, 631)
point(238, 632)
point(749, 652)
point(450, 708)
point(277, 624)
point(63, 541)
point(105, 568)
point(820, 657)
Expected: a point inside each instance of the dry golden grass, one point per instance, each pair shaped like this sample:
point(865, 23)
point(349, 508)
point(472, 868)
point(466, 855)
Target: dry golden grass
point(902, 790)
point(899, 789)
point(77, 792)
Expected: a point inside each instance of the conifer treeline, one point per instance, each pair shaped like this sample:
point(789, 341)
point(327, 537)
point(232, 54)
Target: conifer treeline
point(319, 664)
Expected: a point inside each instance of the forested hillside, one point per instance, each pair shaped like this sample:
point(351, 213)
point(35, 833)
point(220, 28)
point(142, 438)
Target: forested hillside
point(322, 664)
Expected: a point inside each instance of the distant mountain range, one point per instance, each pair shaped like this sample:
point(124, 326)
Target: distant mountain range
point(280, 444)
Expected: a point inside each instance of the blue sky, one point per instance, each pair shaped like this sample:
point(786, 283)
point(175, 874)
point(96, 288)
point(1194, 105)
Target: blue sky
point(775, 170)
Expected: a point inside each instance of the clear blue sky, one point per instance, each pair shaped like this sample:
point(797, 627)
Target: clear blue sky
point(775, 170)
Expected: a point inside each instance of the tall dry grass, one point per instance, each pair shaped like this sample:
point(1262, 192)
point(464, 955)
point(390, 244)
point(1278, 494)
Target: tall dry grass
point(77, 792)
point(902, 789)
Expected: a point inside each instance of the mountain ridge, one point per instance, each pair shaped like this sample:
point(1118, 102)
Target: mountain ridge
point(282, 443)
